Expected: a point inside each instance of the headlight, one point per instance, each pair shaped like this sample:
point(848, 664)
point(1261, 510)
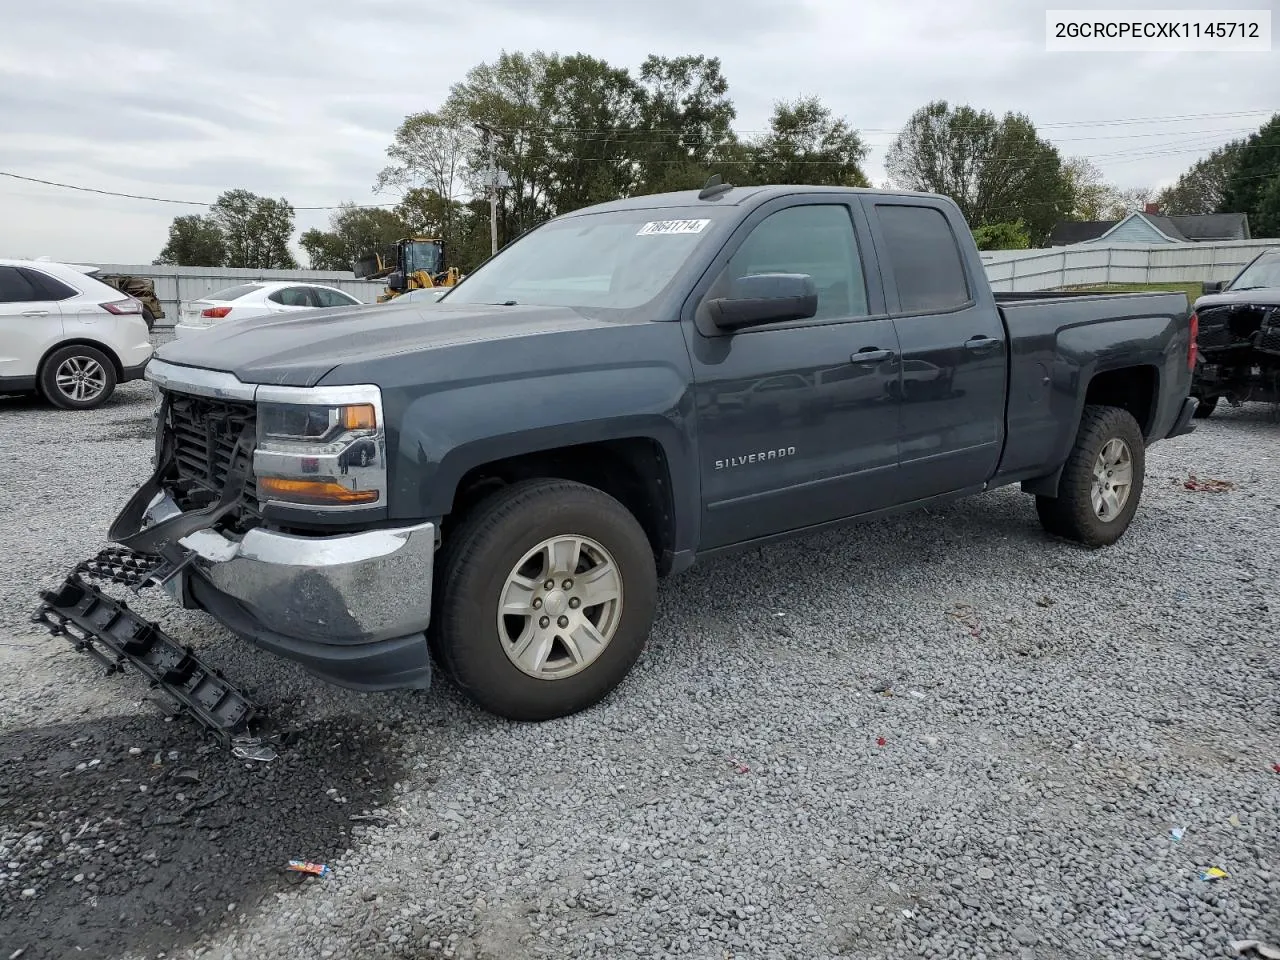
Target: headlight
point(321, 447)
point(281, 421)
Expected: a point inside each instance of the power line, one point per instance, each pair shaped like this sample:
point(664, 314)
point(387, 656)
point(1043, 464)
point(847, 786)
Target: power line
point(1182, 118)
point(189, 203)
point(1121, 156)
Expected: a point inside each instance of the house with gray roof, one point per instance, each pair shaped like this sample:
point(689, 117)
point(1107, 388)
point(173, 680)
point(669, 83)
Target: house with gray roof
point(1149, 226)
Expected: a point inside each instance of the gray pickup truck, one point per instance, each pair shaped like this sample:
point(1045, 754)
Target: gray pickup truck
point(500, 478)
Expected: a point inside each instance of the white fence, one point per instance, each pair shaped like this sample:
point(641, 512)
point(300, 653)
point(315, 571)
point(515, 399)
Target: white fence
point(1014, 271)
point(1020, 271)
point(175, 284)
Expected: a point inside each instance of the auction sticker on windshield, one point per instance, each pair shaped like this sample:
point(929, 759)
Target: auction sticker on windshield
point(672, 226)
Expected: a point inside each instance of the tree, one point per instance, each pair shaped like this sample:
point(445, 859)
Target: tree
point(354, 232)
point(430, 153)
point(1003, 236)
point(1266, 215)
point(995, 169)
point(194, 241)
point(1093, 198)
point(324, 250)
point(1201, 189)
point(807, 144)
point(256, 230)
point(506, 96)
point(589, 110)
point(684, 131)
point(1252, 188)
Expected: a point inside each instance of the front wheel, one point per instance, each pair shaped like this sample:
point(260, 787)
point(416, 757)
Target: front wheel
point(545, 599)
point(1101, 481)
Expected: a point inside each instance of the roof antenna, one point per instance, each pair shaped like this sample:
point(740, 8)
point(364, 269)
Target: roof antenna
point(714, 187)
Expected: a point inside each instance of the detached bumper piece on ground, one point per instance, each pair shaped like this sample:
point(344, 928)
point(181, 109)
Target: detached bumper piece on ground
point(115, 636)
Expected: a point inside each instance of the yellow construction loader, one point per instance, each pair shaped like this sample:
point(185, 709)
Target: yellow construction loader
point(412, 263)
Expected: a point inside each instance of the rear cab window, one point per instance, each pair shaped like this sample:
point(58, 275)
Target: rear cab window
point(924, 255)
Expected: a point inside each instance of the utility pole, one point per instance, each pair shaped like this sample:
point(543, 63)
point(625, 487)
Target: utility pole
point(493, 187)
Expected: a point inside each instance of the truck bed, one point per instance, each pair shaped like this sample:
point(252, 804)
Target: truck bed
point(1059, 340)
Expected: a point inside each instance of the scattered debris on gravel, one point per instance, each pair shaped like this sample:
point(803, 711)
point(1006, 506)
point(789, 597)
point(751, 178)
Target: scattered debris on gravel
point(1207, 484)
point(929, 762)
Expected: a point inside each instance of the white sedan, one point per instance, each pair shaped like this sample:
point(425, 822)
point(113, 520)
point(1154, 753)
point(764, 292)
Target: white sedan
point(66, 335)
point(258, 300)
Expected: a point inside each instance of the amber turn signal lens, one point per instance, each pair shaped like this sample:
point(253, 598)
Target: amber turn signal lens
point(359, 417)
point(313, 491)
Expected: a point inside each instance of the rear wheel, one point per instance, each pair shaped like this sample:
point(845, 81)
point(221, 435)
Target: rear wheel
point(1101, 482)
point(545, 599)
point(77, 378)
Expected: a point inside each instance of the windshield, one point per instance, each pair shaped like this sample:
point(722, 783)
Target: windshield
point(618, 260)
point(422, 256)
point(234, 293)
point(1262, 273)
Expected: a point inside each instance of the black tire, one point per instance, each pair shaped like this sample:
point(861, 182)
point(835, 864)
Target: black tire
point(1205, 410)
point(86, 356)
point(1070, 514)
point(150, 317)
point(473, 571)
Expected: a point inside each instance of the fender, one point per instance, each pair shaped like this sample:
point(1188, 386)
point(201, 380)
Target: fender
point(1119, 344)
point(1088, 351)
point(457, 427)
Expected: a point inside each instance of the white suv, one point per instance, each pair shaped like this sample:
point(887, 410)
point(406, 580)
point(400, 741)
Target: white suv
point(66, 335)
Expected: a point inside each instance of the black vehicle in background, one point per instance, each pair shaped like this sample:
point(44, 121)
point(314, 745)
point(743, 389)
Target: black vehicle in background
point(1239, 337)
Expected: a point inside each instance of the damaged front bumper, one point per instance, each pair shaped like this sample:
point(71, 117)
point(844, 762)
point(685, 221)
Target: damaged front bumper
point(351, 609)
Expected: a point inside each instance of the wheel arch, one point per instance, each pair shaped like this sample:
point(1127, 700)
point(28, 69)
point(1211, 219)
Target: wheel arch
point(81, 342)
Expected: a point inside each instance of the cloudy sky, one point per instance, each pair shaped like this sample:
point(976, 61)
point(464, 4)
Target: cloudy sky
point(299, 98)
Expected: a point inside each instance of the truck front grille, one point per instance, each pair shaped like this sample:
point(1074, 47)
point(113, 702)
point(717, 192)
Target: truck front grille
point(204, 435)
point(1270, 340)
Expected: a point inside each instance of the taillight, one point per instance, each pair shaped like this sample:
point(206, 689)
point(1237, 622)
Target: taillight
point(123, 308)
point(1193, 351)
point(215, 313)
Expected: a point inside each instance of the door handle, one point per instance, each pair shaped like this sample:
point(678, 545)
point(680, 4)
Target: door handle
point(981, 343)
point(35, 313)
point(871, 355)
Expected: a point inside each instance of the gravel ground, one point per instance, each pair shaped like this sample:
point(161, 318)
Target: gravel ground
point(936, 736)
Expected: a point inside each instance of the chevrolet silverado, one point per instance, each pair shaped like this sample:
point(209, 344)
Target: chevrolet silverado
point(501, 477)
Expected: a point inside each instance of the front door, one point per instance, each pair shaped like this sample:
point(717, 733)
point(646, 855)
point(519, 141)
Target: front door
point(797, 421)
point(30, 323)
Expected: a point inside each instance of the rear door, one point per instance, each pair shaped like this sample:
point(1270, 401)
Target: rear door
point(288, 299)
point(30, 323)
point(797, 423)
point(954, 353)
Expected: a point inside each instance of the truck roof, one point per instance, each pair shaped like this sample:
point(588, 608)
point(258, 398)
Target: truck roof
point(734, 196)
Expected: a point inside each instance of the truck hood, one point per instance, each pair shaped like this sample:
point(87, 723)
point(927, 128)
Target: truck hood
point(1262, 297)
point(299, 350)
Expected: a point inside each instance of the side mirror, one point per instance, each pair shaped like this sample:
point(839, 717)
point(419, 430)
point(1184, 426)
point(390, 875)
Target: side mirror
point(1214, 286)
point(396, 281)
point(765, 298)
